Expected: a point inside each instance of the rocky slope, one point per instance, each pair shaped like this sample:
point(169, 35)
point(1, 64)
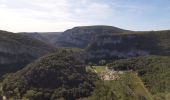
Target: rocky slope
point(132, 44)
point(76, 37)
point(17, 50)
point(81, 37)
point(107, 42)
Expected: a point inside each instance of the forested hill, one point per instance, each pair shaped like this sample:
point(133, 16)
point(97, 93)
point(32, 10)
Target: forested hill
point(17, 50)
point(61, 75)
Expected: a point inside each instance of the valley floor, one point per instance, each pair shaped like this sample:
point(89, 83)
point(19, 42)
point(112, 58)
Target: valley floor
point(112, 78)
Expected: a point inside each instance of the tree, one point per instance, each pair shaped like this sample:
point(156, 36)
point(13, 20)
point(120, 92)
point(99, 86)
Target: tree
point(102, 62)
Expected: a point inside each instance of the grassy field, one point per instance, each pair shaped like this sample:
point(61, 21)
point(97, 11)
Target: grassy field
point(139, 87)
point(131, 78)
point(98, 69)
point(168, 96)
point(129, 87)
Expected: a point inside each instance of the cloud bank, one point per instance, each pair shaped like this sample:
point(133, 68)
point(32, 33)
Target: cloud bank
point(58, 15)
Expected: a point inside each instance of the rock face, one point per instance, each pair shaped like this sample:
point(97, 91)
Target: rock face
point(17, 50)
point(133, 44)
point(76, 37)
point(82, 36)
point(107, 42)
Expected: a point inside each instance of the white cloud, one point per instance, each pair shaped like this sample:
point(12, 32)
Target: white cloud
point(94, 10)
point(58, 15)
point(20, 15)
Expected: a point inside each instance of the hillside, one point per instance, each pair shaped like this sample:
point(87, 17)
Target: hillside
point(47, 37)
point(130, 44)
point(63, 75)
point(17, 50)
point(59, 75)
point(153, 70)
point(82, 36)
point(128, 87)
point(118, 85)
point(110, 43)
point(78, 37)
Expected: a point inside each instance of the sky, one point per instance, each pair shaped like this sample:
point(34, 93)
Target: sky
point(59, 15)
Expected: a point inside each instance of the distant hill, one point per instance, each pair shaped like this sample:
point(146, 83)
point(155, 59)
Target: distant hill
point(110, 43)
point(18, 50)
point(58, 75)
point(78, 37)
point(35, 35)
point(82, 36)
point(47, 37)
point(130, 44)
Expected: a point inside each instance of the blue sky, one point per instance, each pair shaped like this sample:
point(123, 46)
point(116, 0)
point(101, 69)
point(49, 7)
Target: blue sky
point(59, 15)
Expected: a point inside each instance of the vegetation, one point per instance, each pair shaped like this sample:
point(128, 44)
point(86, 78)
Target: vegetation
point(22, 40)
point(59, 75)
point(95, 69)
point(129, 44)
point(16, 51)
point(64, 76)
point(102, 62)
point(153, 70)
point(129, 87)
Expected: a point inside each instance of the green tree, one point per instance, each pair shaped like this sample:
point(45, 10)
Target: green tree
point(102, 62)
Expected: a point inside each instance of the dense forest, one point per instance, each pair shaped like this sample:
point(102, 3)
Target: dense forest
point(59, 75)
point(16, 51)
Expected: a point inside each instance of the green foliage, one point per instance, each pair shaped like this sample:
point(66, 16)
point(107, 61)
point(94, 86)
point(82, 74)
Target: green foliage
point(17, 51)
point(100, 69)
point(10, 37)
point(59, 75)
point(95, 69)
point(123, 89)
point(154, 71)
point(102, 62)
